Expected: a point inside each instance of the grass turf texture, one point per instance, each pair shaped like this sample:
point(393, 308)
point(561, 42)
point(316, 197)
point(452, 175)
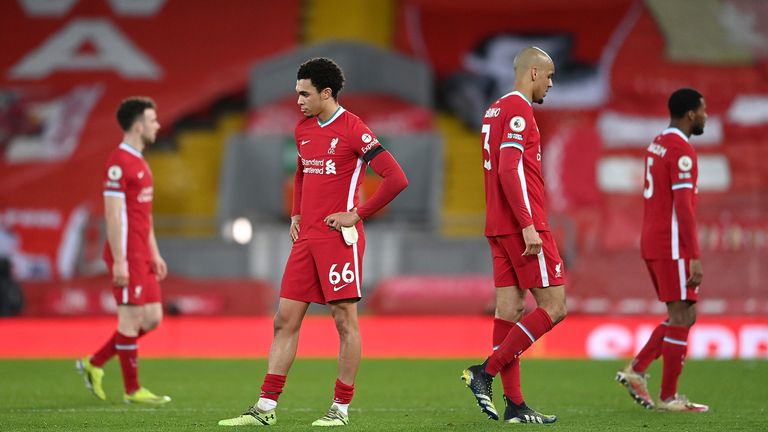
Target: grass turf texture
point(391, 395)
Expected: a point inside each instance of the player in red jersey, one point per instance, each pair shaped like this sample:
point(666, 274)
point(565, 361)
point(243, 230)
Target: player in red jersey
point(325, 265)
point(525, 256)
point(131, 252)
point(670, 247)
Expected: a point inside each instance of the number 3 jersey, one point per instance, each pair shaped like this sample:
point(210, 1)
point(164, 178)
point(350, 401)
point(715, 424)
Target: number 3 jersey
point(509, 126)
point(669, 230)
point(332, 160)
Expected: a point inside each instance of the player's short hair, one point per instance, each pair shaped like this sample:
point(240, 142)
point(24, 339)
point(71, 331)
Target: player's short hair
point(131, 109)
point(324, 73)
point(682, 101)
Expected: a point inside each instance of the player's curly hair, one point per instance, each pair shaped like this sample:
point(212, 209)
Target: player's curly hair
point(682, 101)
point(131, 109)
point(324, 73)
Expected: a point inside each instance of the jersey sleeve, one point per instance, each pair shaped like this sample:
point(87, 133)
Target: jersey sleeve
point(394, 182)
point(363, 142)
point(517, 123)
point(115, 181)
point(682, 164)
point(681, 169)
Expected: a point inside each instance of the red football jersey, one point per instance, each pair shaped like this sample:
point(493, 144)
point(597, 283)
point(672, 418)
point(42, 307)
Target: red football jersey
point(670, 164)
point(332, 155)
point(128, 176)
point(509, 125)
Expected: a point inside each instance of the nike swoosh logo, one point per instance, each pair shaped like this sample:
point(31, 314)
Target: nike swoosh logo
point(304, 142)
point(336, 288)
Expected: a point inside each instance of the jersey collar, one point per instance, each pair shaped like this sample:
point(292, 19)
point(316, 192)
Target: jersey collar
point(675, 130)
point(131, 150)
point(339, 111)
point(517, 93)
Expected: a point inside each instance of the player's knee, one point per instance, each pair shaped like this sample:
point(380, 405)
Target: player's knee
point(151, 324)
point(283, 322)
point(557, 312)
point(511, 314)
point(692, 318)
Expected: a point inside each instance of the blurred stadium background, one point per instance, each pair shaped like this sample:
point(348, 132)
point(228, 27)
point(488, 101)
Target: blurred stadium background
point(420, 73)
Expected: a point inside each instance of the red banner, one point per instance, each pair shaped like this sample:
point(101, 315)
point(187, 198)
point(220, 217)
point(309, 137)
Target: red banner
point(65, 68)
point(599, 337)
point(181, 296)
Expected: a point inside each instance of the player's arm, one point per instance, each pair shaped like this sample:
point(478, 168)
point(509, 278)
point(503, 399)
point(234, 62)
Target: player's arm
point(158, 263)
point(682, 196)
point(393, 182)
point(509, 159)
point(298, 182)
point(113, 209)
point(511, 150)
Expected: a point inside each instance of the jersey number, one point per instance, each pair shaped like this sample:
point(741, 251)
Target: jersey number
point(486, 130)
point(648, 191)
point(346, 275)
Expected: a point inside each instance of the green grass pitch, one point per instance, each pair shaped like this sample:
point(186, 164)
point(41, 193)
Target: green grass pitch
point(391, 395)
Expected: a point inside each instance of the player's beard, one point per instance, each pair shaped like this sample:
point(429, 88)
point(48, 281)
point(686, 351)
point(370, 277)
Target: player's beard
point(697, 129)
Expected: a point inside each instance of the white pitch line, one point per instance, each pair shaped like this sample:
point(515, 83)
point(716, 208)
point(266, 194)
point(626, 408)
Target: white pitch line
point(161, 409)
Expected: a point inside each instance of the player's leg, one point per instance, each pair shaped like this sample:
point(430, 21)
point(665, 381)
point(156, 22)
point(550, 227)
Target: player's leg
point(285, 342)
point(299, 287)
point(633, 376)
point(129, 318)
point(344, 314)
point(682, 316)
point(544, 276)
point(151, 315)
point(671, 287)
point(510, 305)
point(342, 266)
point(142, 311)
point(107, 351)
point(651, 350)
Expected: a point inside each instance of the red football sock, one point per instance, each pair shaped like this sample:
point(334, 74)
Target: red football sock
point(343, 393)
point(108, 350)
point(522, 335)
point(673, 349)
point(652, 349)
point(510, 375)
point(127, 352)
point(273, 386)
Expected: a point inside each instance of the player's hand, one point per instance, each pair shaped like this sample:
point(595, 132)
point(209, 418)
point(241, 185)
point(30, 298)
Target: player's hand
point(159, 267)
point(532, 241)
point(697, 273)
point(120, 273)
point(295, 228)
point(338, 220)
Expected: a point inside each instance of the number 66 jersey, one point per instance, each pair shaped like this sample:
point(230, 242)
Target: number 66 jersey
point(669, 223)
